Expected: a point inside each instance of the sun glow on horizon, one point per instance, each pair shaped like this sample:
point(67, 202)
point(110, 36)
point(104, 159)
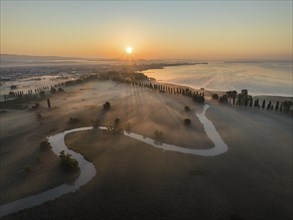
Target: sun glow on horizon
point(129, 50)
point(258, 30)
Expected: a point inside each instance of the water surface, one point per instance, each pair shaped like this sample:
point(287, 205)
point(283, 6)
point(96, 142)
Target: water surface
point(258, 78)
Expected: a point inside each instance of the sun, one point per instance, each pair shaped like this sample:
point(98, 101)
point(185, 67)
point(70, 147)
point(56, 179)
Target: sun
point(129, 50)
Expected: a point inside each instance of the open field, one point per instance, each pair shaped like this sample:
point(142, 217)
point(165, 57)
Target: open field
point(252, 180)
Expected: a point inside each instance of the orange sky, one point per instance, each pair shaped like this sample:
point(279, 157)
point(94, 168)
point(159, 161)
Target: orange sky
point(196, 30)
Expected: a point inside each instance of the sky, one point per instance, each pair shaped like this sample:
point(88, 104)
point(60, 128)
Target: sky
point(154, 29)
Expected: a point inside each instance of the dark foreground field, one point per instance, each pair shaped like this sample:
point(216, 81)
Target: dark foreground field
point(252, 180)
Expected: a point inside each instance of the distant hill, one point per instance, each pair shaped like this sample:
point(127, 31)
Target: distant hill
point(7, 60)
point(10, 60)
point(29, 58)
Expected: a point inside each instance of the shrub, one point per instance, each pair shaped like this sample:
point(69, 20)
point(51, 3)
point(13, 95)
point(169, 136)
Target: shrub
point(45, 145)
point(187, 121)
point(215, 96)
point(117, 122)
point(186, 108)
point(96, 123)
point(67, 163)
point(159, 136)
point(36, 106)
point(107, 105)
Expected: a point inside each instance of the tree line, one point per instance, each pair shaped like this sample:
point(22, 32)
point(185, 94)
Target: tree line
point(246, 100)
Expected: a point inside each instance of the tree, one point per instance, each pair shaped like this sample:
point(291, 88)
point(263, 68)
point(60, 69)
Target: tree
point(232, 94)
point(287, 105)
point(256, 103)
point(269, 105)
point(53, 90)
point(263, 104)
point(67, 163)
point(45, 145)
point(96, 123)
point(277, 106)
point(198, 98)
point(215, 96)
point(245, 101)
point(49, 103)
point(42, 94)
point(107, 105)
point(187, 121)
point(159, 136)
point(223, 99)
point(116, 122)
point(186, 108)
point(240, 99)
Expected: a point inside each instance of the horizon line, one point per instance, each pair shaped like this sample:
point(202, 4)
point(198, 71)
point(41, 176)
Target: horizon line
point(143, 59)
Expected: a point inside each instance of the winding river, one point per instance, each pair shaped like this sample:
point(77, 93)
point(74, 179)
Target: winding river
point(88, 171)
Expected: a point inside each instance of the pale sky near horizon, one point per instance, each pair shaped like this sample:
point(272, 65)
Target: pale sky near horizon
point(155, 29)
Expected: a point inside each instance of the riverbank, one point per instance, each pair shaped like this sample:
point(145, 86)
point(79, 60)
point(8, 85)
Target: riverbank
point(251, 180)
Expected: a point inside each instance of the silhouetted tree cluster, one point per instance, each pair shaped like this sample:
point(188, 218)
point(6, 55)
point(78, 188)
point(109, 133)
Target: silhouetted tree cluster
point(39, 90)
point(13, 95)
point(244, 99)
point(223, 99)
point(67, 163)
point(287, 106)
point(232, 95)
point(53, 90)
point(198, 97)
